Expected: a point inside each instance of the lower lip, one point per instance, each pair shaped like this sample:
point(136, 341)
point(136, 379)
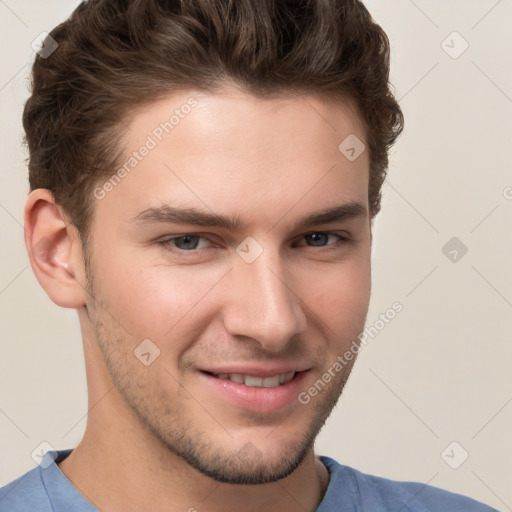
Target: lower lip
point(258, 399)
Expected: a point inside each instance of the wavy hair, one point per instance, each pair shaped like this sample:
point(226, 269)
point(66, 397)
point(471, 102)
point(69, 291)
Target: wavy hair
point(116, 55)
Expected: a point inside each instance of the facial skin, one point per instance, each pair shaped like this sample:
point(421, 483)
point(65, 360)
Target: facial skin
point(162, 436)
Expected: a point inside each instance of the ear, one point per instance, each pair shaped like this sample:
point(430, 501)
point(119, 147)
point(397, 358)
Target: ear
point(55, 250)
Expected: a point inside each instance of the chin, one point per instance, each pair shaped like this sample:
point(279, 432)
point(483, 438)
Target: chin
point(249, 466)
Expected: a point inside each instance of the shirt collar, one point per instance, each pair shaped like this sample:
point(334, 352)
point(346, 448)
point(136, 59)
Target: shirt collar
point(61, 492)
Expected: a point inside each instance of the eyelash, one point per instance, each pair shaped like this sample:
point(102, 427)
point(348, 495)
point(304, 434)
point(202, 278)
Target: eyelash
point(167, 242)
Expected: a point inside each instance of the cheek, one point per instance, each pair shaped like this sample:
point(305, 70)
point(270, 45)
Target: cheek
point(155, 300)
point(159, 301)
point(340, 297)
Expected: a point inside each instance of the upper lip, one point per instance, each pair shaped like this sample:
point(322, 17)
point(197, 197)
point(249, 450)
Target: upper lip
point(257, 370)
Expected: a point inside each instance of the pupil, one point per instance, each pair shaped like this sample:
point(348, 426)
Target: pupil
point(316, 235)
point(186, 241)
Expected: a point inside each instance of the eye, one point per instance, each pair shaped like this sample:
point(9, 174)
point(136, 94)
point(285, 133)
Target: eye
point(192, 242)
point(184, 243)
point(318, 237)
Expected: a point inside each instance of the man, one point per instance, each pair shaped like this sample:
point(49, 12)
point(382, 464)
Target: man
point(204, 175)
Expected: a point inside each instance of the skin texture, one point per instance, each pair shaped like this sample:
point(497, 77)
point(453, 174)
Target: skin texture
point(158, 437)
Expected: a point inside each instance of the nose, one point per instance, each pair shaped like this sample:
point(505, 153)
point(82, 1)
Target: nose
point(264, 304)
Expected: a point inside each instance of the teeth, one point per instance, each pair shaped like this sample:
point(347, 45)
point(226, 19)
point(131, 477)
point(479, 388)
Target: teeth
point(271, 382)
point(287, 377)
point(253, 381)
point(260, 382)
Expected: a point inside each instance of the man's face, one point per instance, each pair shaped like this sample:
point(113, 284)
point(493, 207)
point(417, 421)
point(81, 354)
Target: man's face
point(229, 307)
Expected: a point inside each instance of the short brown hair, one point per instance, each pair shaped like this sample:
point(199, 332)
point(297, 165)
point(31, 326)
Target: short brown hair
point(115, 55)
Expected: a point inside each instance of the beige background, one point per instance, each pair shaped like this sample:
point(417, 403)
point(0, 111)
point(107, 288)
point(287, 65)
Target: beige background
point(440, 371)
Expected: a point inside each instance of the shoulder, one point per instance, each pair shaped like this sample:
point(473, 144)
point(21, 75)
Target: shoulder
point(381, 494)
point(27, 492)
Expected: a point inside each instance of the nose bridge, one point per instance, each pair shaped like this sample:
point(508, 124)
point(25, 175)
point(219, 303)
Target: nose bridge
point(264, 306)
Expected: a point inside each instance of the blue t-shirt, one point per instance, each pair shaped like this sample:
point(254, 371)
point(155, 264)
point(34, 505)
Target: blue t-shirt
point(46, 489)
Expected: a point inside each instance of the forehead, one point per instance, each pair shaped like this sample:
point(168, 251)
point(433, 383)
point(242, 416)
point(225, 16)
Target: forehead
point(232, 121)
point(231, 151)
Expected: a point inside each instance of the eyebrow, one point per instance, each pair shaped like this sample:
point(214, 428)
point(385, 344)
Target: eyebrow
point(173, 215)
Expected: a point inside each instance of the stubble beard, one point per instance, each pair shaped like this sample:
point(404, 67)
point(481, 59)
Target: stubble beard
point(169, 424)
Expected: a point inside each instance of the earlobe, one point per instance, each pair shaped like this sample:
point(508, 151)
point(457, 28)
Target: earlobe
point(54, 250)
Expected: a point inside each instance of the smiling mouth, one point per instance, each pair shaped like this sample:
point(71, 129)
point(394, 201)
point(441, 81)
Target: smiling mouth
point(255, 381)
